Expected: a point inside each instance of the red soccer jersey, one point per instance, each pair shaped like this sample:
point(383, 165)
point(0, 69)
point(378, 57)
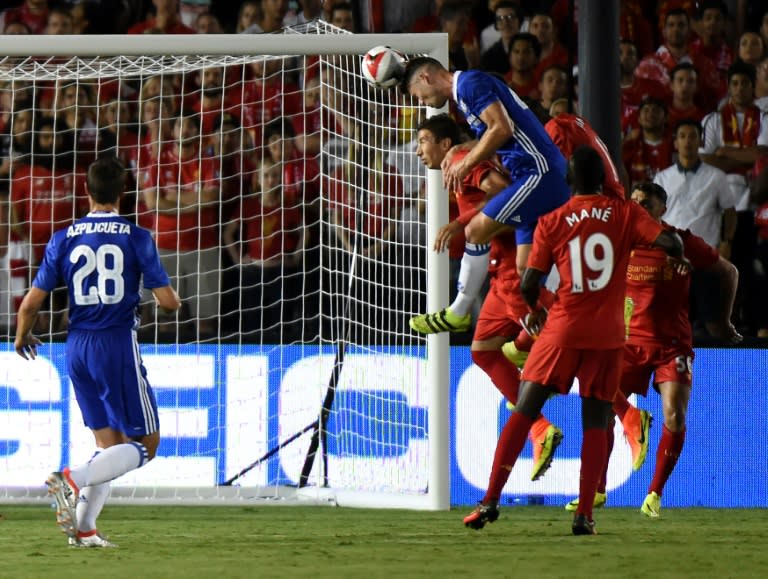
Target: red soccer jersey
point(197, 227)
point(589, 240)
point(46, 201)
point(660, 294)
point(270, 232)
point(643, 159)
point(569, 132)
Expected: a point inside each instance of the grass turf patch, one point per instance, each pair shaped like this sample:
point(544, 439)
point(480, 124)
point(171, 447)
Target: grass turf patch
point(270, 541)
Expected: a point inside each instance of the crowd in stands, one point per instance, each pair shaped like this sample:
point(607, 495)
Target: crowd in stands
point(236, 190)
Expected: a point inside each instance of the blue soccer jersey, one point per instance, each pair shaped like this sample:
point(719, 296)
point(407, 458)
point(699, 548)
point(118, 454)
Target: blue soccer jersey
point(529, 150)
point(103, 259)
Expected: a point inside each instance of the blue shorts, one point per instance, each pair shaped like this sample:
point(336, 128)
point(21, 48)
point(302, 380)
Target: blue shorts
point(110, 381)
point(527, 198)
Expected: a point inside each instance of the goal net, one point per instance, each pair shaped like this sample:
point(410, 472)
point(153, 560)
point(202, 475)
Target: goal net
point(293, 217)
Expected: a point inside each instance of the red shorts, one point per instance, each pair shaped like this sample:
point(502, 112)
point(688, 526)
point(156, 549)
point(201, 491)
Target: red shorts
point(665, 364)
point(494, 319)
point(598, 371)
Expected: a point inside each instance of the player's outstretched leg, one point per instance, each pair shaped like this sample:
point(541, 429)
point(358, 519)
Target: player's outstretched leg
point(65, 493)
point(443, 321)
point(545, 437)
point(457, 317)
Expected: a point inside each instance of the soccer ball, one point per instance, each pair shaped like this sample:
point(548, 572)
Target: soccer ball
point(383, 67)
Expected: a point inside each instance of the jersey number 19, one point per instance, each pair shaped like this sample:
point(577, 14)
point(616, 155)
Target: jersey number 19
point(587, 255)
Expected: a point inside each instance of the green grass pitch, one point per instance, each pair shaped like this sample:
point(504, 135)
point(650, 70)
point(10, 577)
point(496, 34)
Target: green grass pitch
point(273, 541)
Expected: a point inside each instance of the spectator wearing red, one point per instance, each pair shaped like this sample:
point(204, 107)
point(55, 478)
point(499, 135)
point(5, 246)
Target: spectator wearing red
point(185, 196)
point(300, 174)
point(269, 258)
point(75, 106)
point(117, 137)
point(238, 172)
point(672, 52)
point(523, 59)
point(270, 18)
point(45, 193)
point(683, 105)
point(634, 89)
point(59, 22)
point(213, 98)
point(552, 52)
point(32, 13)
point(711, 41)
point(165, 21)
point(267, 96)
point(649, 149)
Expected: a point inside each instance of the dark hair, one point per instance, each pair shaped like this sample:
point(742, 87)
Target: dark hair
point(744, 68)
point(652, 100)
point(442, 126)
point(718, 5)
point(413, 66)
point(225, 119)
point(451, 10)
point(586, 172)
point(688, 122)
point(507, 4)
point(106, 180)
point(530, 39)
point(279, 127)
point(652, 190)
point(677, 12)
point(341, 7)
point(682, 66)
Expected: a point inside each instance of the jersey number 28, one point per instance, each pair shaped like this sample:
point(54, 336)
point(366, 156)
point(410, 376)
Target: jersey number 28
point(596, 255)
point(103, 291)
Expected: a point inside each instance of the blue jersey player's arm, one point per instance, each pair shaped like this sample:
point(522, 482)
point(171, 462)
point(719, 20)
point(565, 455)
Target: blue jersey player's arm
point(155, 277)
point(499, 130)
point(46, 280)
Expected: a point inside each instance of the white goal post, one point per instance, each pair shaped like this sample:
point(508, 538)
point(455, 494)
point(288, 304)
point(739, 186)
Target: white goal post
point(309, 386)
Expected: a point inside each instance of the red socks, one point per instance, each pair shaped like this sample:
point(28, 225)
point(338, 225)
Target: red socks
point(503, 373)
point(620, 405)
point(593, 459)
point(670, 446)
point(508, 448)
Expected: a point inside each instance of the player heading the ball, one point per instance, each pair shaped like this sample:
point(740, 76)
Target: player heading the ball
point(504, 126)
